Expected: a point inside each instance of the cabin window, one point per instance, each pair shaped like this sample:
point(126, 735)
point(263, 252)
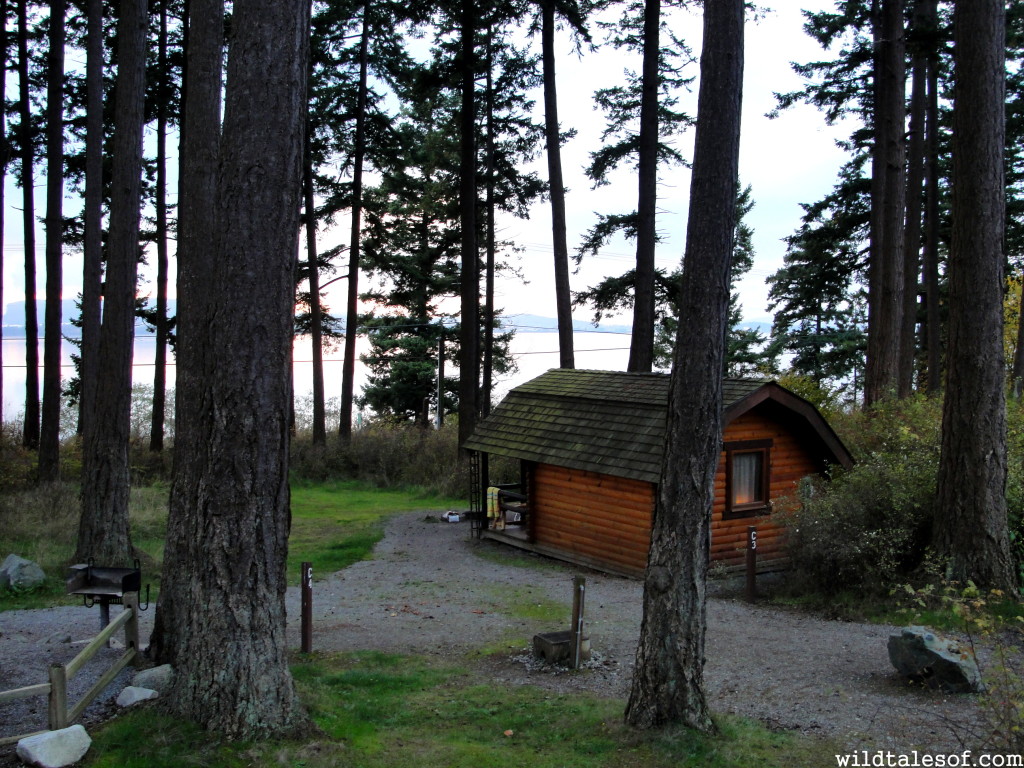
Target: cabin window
point(747, 478)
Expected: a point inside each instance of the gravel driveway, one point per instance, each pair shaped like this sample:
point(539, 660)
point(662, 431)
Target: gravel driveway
point(430, 589)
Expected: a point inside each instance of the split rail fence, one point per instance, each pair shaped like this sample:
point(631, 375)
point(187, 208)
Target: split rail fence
point(60, 714)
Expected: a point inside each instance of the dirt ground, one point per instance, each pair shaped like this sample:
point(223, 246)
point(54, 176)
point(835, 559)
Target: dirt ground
point(432, 589)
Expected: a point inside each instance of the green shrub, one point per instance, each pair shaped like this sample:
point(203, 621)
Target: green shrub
point(389, 455)
point(869, 527)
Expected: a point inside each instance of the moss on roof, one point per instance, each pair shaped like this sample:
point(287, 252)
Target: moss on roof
point(602, 421)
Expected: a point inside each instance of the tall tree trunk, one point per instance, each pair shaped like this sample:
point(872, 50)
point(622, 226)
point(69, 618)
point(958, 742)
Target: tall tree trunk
point(315, 316)
point(197, 227)
point(970, 532)
point(470, 283)
point(30, 433)
point(553, 141)
point(931, 208)
point(488, 319)
point(912, 227)
point(103, 532)
point(156, 431)
point(352, 305)
point(49, 435)
point(5, 158)
point(885, 266)
point(641, 345)
point(92, 213)
point(668, 682)
point(231, 669)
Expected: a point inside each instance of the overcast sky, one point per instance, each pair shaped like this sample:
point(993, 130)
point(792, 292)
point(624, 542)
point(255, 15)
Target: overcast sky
point(787, 161)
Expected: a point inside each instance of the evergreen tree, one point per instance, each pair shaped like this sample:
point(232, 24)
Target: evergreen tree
point(747, 350)
point(642, 115)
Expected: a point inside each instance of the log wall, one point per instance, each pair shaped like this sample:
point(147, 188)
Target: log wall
point(599, 519)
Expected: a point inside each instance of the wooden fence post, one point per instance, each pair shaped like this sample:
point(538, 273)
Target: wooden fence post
point(131, 627)
point(58, 705)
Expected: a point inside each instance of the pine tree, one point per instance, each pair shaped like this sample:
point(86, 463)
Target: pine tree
point(668, 681)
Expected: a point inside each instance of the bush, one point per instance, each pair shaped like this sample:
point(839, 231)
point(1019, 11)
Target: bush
point(390, 455)
point(870, 526)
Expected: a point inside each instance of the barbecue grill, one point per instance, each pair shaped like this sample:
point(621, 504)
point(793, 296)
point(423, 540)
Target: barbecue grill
point(105, 585)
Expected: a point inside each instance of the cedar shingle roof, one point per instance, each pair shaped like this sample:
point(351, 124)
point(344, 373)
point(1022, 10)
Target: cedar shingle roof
point(604, 421)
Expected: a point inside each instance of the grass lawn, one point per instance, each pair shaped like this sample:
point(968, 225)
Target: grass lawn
point(375, 710)
point(333, 525)
point(336, 524)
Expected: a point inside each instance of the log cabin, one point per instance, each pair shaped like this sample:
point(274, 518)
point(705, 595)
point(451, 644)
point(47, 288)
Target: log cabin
point(590, 446)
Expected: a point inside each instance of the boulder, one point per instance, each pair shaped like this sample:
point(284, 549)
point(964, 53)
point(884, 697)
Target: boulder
point(920, 654)
point(156, 679)
point(19, 573)
point(55, 749)
point(133, 695)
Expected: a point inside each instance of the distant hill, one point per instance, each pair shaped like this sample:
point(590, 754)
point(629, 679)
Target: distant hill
point(14, 318)
point(524, 323)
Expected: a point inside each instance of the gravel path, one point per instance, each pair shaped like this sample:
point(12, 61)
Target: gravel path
point(431, 589)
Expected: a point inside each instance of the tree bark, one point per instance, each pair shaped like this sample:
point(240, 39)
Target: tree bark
point(668, 682)
point(352, 306)
point(30, 432)
point(470, 280)
point(553, 140)
point(156, 431)
point(5, 157)
point(970, 532)
point(912, 226)
point(197, 227)
point(229, 568)
point(53, 336)
point(931, 208)
point(488, 314)
point(103, 532)
point(885, 265)
point(641, 345)
point(92, 213)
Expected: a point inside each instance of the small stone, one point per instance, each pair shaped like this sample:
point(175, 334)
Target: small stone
point(133, 695)
point(55, 749)
point(157, 679)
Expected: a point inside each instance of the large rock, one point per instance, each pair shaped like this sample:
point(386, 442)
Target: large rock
point(133, 695)
point(55, 749)
point(940, 663)
point(18, 573)
point(157, 679)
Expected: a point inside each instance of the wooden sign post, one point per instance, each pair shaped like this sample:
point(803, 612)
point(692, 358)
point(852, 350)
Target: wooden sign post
point(579, 590)
point(751, 563)
point(307, 607)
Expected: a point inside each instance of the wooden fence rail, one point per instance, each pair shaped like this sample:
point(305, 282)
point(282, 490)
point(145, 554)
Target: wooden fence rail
point(60, 715)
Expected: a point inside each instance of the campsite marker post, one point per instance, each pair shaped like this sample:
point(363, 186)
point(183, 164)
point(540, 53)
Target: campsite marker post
point(307, 607)
point(751, 563)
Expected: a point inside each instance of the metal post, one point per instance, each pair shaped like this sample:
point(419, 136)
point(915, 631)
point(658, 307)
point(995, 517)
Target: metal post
point(579, 589)
point(307, 607)
point(751, 563)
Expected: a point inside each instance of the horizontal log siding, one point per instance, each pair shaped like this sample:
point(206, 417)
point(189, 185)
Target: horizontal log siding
point(604, 519)
point(790, 462)
point(587, 515)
